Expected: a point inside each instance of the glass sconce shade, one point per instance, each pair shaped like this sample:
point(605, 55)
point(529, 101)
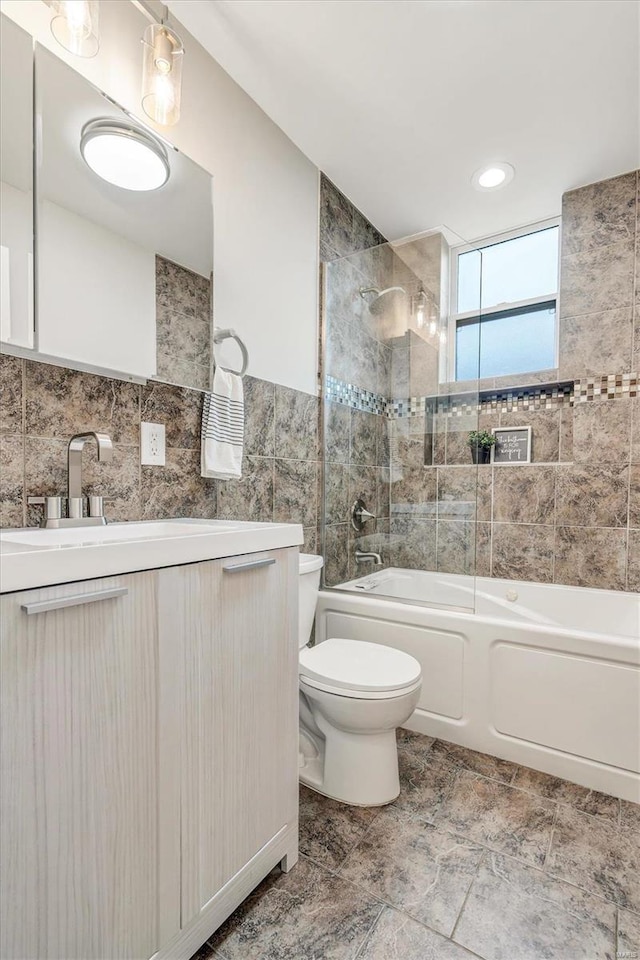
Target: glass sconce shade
point(75, 25)
point(162, 74)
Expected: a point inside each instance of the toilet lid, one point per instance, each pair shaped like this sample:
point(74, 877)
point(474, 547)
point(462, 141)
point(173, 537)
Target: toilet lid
point(357, 665)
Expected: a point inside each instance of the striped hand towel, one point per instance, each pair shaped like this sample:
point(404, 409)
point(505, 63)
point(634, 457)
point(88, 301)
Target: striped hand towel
point(223, 428)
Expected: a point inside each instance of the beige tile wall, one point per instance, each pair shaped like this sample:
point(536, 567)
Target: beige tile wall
point(573, 515)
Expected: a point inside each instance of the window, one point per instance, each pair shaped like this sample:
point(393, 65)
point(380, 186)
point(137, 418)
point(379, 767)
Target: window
point(504, 300)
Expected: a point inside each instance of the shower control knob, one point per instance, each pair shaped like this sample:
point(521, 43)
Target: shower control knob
point(360, 515)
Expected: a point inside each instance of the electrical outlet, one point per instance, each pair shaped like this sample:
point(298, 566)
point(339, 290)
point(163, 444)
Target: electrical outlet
point(152, 444)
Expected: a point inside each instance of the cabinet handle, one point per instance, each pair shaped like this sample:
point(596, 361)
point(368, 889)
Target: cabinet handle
point(43, 606)
point(249, 565)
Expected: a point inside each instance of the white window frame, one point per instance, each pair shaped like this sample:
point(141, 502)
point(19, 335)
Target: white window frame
point(482, 314)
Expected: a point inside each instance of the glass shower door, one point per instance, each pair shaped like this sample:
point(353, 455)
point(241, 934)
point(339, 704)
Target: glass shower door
point(400, 489)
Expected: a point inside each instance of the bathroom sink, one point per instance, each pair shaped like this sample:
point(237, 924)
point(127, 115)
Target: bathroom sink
point(37, 557)
point(117, 532)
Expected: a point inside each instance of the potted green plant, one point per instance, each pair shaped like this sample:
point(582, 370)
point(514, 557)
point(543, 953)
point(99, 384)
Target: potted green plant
point(480, 442)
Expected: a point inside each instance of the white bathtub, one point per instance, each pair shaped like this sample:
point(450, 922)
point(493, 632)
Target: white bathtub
point(545, 676)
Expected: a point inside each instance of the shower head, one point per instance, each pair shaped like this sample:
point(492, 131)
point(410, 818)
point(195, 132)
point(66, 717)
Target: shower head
point(375, 304)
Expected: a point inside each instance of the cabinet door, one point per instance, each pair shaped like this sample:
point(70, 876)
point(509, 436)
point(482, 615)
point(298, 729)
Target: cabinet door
point(90, 816)
point(240, 712)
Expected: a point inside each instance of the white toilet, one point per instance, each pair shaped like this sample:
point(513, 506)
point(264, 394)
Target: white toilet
point(353, 695)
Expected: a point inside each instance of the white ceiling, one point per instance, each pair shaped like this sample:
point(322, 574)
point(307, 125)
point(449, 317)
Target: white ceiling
point(400, 101)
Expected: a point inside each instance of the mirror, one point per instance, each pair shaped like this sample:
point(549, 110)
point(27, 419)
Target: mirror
point(124, 264)
point(16, 185)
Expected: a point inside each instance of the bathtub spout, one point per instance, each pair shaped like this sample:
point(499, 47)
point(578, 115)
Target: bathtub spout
point(362, 556)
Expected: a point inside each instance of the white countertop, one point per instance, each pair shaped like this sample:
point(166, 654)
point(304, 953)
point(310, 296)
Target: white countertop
point(32, 557)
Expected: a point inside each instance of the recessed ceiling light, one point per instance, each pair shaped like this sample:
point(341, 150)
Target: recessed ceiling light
point(493, 176)
point(124, 155)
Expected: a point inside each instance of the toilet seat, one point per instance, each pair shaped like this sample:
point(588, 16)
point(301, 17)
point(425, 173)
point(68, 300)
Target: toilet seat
point(355, 668)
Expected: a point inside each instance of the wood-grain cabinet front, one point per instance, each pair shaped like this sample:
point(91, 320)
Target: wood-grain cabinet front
point(148, 755)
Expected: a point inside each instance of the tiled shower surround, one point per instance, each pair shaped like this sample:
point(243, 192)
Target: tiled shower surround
point(573, 515)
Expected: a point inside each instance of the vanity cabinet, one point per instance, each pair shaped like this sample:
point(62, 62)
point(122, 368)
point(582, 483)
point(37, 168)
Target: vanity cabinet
point(149, 755)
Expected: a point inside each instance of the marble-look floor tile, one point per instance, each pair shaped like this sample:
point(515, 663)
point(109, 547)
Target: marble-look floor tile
point(514, 912)
point(10, 394)
point(562, 791)
point(628, 947)
point(426, 781)
point(415, 867)
point(206, 952)
point(330, 830)
point(308, 913)
point(596, 856)
point(397, 937)
point(482, 763)
point(412, 742)
point(498, 816)
point(630, 816)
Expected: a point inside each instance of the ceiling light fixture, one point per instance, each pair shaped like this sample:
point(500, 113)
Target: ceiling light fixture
point(75, 25)
point(161, 68)
point(493, 176)
point(124, 155)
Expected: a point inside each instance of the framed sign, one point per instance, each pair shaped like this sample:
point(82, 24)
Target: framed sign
point(513, 445)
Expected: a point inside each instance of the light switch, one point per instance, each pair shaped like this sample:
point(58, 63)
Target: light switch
point(152, 444)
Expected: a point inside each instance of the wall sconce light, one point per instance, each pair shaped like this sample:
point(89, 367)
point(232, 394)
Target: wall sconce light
point(425, 311)
point(161, 72)
point(75, 25)
point(420, 309)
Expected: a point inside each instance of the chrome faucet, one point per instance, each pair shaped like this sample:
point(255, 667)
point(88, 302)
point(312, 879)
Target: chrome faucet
point(53, 506)
point(74, 460)
point(363, 555)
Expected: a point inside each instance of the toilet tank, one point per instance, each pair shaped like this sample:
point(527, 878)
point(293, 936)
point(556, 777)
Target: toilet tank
point(310, 567)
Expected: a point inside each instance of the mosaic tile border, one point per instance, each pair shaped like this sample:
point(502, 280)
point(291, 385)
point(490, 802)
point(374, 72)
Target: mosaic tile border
point(607, 388)
point(355, 397)
point(613, 387)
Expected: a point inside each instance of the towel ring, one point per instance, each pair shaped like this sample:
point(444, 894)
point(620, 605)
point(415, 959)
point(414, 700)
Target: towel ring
point(219, 336)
